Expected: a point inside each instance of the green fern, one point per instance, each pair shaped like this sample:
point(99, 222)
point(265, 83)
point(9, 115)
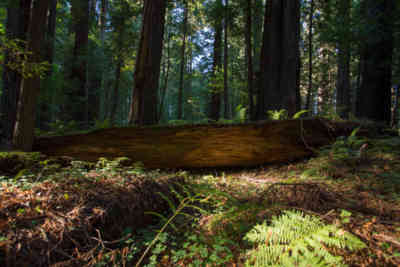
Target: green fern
point(295, 239)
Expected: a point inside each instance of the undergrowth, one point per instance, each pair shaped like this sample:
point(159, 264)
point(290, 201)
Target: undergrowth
point(338, 208)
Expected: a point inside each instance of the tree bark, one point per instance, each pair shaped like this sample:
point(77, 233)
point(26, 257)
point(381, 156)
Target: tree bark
point(25, 123)
point(395, 110)
point(144, 101)
point(182, 67)
point(120, 62)
point(77, 101)
point(227, 106)
point(215, 91)
point(310, 58)
point(201, 146)
point(377, 50)
point(249, 56)
point(16, 27)
point(343, 76)
point(280, 57)
point(167, 65)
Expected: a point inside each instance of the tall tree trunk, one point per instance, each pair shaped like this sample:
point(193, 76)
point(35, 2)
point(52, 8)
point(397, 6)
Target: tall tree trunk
point(120, 62)
point(50, 34)
point(189, 86)
point(25, 123)
point(249, 56)
point(144, 100)
point(166, 68)
point(343, 77)
point(227, 106)
point(116, 89)
point(103, 22)
point(215, 104)
point(77, 101)
point(18, 16)
point(11, 78)
point(377, 51)
point(183, 63)
point(45, 115)
point(280, 57)
point(310, 58)
point(395, 110)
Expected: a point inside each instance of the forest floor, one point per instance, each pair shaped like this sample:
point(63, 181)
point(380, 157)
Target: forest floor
point(62, 212)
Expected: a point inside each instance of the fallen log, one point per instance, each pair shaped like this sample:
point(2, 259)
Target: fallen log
point(199, 146)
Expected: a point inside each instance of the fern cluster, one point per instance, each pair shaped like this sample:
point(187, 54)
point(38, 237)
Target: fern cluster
point(294, 239)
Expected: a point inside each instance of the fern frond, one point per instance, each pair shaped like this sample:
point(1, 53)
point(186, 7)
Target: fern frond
point(295, 239)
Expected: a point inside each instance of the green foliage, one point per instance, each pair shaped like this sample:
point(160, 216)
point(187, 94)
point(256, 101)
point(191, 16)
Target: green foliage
point(60, 127)
point(102, 124)
point(295, 239)
point(186, 200)
point(240, 112)
point(277, 114)
point(20, 58)
point(178, 122)
point(301, 112)
point(204, 252)
point(347, 147)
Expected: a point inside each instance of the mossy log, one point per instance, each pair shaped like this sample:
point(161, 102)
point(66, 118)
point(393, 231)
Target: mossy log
point(198, 146)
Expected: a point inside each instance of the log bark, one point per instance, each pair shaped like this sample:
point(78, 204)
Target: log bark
point(199, 146)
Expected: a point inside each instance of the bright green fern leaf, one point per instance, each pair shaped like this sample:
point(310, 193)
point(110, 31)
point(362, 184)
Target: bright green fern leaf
point(295, 239)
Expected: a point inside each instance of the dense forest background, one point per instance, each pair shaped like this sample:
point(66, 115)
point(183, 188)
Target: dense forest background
point(84, 64)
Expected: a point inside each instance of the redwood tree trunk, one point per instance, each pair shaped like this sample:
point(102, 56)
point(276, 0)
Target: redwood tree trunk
point(280, 57)
point(249, 56)
point(227, 109)
point(215, 104)
point(183, 63)
point(120, 62)
point(377, 50)
point(343, 76)
point(144, 101)
point(310, 58)
point(25, 123)
point(18, 16)
point(166, 68)
point(77, 102)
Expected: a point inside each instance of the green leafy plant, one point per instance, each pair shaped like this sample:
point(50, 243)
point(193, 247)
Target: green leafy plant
point(298, 114)
point(240, 112)
point(186, 200)
point(277, 114)
point(295, 239)
point(102, 124)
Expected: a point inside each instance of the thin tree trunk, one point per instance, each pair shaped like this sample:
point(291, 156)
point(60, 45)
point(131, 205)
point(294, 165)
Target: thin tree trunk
point(116, 89)
point(182, 67)
point(25, 123)
point(44, 116)
point(50, 35)
point(395, 112)
point(227, 111)
point(11, 78)
point(16, 27)
point(343, 77)
point(166, 78)
point(249, 56)
point(77, 101)
point(310, 57)
point(215, 92)
point(144, 100)
point(103, 16)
